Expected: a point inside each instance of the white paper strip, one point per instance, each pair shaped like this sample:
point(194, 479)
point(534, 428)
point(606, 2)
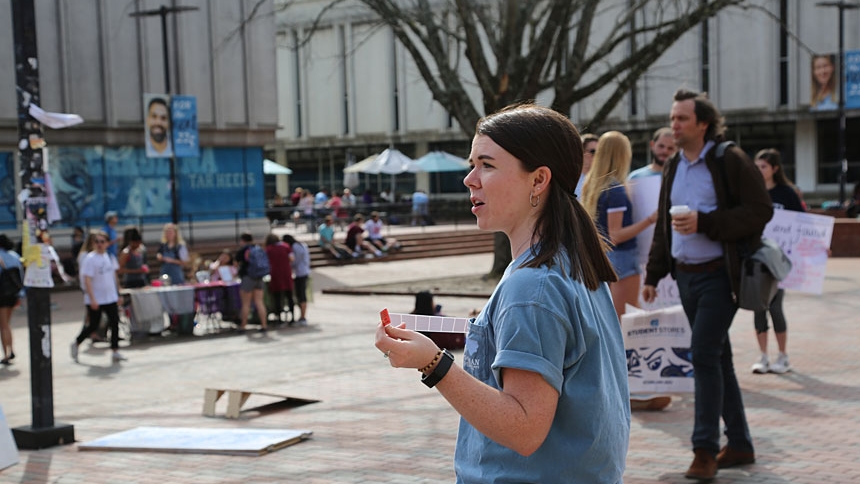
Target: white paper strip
point(431, 324)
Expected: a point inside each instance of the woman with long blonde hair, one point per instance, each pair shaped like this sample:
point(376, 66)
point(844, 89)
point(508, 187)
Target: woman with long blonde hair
point(604, 194)
point(173, 254)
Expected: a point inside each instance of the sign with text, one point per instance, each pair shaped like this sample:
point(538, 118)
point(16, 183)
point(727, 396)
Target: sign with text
point(644, 195)
point(186, 139)
point(657, 344)
point(852, 79)
point(805, 239)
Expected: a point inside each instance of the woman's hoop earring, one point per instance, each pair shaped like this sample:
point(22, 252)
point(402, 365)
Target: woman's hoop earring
point(534, 203)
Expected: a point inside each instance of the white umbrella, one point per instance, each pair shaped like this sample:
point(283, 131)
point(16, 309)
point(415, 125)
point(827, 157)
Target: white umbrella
point(362, 166)
point(272, 168)
point(389, 162)
point(437, 161)
point(350, 180)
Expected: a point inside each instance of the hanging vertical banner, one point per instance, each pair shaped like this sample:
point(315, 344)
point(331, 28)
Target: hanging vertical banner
point(852, 79)
point(825, 88)
point(156, 109)
point(186, 139)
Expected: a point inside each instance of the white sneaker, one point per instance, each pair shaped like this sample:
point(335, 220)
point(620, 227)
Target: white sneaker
point(761, 366)
point(117, 356)
point(74, 351)
point(781, 365)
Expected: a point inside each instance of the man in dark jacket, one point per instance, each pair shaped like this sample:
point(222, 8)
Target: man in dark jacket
point(719, 206)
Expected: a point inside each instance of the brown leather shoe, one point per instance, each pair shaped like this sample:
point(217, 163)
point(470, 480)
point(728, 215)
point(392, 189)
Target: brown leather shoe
point(729, 457)
point(653, 403)
point(704, 466)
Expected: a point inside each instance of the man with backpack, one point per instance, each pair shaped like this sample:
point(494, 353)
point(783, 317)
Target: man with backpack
point(697, 241)
point(253, 266)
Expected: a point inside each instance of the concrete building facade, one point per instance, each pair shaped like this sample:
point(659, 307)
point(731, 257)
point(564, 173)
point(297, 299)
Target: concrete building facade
point(97, 60)
point(351, 89)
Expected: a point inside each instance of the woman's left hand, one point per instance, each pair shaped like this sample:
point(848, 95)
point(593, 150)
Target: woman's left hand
point(405, 348)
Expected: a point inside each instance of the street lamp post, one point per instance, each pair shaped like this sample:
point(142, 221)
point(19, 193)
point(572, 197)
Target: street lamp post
point(162, 12)
point(842, 6)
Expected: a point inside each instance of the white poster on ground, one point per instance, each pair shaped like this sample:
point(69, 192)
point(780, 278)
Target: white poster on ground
point(805, 239)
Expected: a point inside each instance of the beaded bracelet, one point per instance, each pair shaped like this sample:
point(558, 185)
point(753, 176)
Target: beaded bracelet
point(432, 363)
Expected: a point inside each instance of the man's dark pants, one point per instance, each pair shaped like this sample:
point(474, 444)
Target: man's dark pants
point(707, 300)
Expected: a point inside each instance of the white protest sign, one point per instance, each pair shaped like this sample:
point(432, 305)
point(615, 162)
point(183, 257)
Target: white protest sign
point(805, 239)
point(657, 344)
point(644, 195)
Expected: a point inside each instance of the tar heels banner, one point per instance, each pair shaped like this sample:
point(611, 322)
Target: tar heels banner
point(657, 344)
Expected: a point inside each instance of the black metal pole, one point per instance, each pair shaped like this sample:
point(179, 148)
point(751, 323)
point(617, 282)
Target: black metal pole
point(43, 432)
point(843, 175)
point(163, 11)
point(164, 50)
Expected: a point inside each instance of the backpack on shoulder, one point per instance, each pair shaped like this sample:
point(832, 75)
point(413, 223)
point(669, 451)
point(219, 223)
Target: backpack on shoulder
point(258, 262)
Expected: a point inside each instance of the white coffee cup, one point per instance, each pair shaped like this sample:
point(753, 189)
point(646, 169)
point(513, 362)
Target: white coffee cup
point(679, 210)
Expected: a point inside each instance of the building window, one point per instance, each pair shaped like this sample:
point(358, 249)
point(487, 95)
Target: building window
point(396, 93)
point(297, 70)
point(783, 52)
point(829, 164)
point(706, 56)
point(634, 99)
point(344, 59)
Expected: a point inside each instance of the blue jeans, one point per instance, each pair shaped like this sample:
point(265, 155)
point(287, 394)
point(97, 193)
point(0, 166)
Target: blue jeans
point(708, 304)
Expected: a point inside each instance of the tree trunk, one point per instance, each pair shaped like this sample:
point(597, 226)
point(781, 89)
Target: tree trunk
point(501, 255)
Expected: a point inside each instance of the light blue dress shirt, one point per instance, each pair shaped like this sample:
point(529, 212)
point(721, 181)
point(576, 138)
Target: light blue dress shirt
point(693, 186)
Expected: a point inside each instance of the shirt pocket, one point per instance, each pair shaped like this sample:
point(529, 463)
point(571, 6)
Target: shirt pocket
point(480, 351)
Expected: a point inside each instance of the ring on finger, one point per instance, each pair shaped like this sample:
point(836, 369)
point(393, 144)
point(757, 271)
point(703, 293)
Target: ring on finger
point(387, 353)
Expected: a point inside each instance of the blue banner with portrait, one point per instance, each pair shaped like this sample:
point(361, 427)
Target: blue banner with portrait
point(186, 139)
point(852, 79)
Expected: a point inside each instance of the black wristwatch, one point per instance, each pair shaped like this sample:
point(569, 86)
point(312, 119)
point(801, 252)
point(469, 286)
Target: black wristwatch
point(440, 371)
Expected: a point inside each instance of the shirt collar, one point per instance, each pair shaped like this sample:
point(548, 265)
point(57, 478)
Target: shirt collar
point(708, 145)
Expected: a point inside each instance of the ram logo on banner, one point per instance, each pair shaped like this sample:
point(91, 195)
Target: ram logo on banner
point(657, 344)
point(186, 139)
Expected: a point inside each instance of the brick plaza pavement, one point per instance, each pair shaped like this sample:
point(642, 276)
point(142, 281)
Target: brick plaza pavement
point(376, 424)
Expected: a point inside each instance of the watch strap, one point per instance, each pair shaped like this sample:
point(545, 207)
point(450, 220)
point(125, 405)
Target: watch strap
point(440, 371)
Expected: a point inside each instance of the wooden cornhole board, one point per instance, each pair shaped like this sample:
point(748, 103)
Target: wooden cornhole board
point(249, 442)
point(237, 398)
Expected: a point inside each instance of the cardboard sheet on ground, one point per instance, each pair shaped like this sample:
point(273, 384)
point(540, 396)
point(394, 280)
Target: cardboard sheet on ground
point(431, 324)
point(8, 449)
point(657, 344)
point(251, 442)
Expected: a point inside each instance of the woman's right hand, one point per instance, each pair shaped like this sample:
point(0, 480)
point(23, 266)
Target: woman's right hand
point(405, 348)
